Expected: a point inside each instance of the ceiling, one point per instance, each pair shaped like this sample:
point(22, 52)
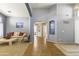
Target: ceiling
point(14, 9)
point(41, 5)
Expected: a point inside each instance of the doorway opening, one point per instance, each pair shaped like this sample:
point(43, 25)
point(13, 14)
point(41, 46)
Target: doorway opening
point(40, 34)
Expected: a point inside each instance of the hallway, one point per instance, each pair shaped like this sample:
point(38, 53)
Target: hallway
point(42, 49)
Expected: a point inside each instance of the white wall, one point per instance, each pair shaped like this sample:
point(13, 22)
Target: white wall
point(11, 24)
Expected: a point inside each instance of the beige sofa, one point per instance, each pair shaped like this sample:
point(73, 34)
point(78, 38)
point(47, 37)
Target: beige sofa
point(20, 36)
point(14, 36)
point(10, 41)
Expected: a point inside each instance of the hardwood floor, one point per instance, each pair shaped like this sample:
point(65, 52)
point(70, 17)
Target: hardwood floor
point(42, 49)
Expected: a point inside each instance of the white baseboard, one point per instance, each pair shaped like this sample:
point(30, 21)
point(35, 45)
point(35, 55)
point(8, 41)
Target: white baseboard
point(51, 41)
point(60, 42)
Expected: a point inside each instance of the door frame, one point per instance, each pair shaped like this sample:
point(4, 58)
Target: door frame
point(41, 22)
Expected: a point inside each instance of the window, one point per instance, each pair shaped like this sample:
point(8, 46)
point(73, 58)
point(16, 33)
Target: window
point(52, 27)
point(1, 27)
point(77, 12)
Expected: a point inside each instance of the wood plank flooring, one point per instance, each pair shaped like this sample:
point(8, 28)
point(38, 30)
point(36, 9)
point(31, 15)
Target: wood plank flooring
point(48, 49)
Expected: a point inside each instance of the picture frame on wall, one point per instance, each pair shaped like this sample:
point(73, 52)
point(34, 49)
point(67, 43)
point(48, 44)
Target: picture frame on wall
point(19, 24)
point(52, 27)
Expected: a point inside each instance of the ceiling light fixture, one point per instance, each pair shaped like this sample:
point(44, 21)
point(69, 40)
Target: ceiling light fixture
point(9, 11)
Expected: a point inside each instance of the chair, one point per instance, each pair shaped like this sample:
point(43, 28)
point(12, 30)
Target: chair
point(24, 37)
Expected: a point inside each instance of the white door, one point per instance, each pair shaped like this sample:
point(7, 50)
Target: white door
point(35, 35)
point(35, 30)
point(44, 32)
point(40, 30)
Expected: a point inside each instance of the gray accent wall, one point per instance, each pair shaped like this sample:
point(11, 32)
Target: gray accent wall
point(11, 24)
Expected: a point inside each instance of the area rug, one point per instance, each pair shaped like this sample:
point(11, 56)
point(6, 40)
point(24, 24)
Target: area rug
point(17, 49)
point(69, 49)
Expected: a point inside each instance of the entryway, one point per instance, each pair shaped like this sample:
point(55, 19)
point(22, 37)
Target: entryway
point(40, 34)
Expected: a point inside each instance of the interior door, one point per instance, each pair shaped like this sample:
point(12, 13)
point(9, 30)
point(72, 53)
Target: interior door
point(66, 30)
point(35, 30)
point(38, 30)
point(35, 35)
point(44, 29)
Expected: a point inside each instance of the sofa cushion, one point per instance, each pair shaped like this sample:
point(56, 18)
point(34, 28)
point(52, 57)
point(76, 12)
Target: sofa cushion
point(16, 33)
point(21, 34)
point(8, 36)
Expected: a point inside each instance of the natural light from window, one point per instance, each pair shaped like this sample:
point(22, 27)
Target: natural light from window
point(1, 27)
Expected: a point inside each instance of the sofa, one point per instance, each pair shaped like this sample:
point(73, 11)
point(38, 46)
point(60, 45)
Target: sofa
point(18, 35)
point(13, 37)
point(10, 41)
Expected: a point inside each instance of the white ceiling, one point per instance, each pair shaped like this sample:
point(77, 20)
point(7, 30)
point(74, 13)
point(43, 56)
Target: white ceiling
point(41, 5)
point(14, 9)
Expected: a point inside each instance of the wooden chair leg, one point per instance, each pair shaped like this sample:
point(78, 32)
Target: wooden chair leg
point(10, 43)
